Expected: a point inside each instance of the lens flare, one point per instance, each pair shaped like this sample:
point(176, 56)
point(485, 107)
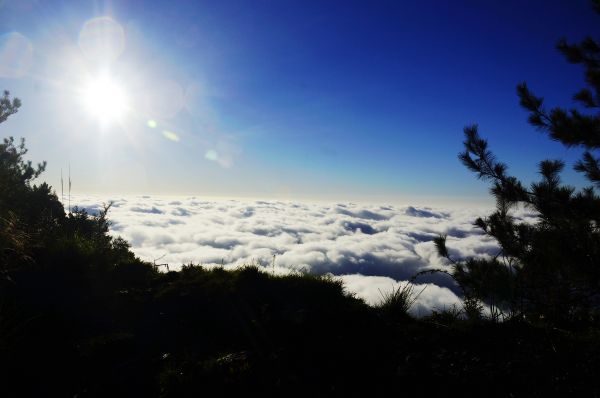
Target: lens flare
point(16, 55)
point(102, 39)
point(211, 154)
point(171, 136)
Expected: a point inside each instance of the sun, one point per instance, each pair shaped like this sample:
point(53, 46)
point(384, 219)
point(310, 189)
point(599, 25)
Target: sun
point(105, 99)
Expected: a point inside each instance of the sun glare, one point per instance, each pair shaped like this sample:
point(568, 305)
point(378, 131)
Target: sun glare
point(104, 99)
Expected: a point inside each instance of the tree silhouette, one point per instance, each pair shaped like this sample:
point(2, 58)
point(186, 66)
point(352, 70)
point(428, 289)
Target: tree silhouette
point(16, 175)
point(7, 106)
point(549, 269)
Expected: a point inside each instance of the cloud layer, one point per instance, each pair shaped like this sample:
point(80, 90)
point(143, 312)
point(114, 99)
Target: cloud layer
point(371, 247)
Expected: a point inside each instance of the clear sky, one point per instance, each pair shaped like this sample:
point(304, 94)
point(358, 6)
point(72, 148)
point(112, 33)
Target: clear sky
point(284, 99)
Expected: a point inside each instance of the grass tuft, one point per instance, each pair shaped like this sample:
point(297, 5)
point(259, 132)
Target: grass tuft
point(397, 303)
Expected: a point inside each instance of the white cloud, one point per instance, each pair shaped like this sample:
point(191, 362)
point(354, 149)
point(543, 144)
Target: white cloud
point(371, 247)
point(428, 296)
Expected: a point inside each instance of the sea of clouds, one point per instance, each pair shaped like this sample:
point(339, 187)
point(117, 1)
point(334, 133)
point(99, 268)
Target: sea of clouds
point(372, 248)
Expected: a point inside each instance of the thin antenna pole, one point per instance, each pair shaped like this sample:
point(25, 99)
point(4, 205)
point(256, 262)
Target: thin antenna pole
point(69, 187)
point(62, 188)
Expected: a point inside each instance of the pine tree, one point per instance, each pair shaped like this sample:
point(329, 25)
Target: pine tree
point(550, 269)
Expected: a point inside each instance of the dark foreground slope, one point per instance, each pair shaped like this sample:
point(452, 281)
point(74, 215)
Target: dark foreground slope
point(132, 331)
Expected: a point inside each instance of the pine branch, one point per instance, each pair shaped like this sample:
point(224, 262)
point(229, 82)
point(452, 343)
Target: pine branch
point(586, 98)
point(590, 166)
point(477, 158)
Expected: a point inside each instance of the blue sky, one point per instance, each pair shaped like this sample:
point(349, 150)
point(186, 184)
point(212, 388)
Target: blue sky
point(286, 99)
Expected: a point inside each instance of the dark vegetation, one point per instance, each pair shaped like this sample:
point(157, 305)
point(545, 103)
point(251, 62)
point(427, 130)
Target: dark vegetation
point(549, 270)
point(81, 316)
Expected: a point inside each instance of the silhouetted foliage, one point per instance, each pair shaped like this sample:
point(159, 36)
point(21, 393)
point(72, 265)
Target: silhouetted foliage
point(396, 304)
point(7, 106)
point(549, 269)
